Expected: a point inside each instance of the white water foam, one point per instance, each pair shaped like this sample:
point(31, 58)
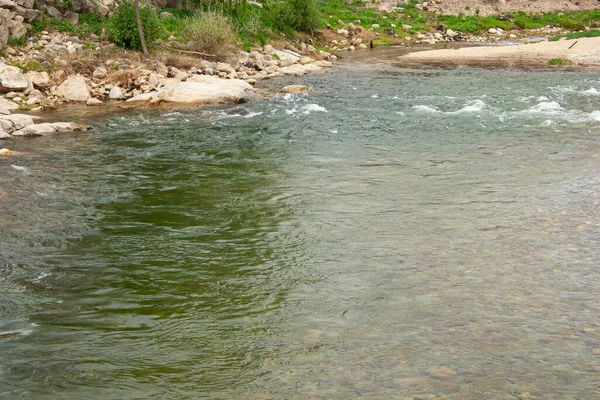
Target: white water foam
point(591, 92)
point(19, 168)
point(471, 107)
point(313, 108)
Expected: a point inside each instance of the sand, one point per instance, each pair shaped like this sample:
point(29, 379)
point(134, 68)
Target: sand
point(583, 53)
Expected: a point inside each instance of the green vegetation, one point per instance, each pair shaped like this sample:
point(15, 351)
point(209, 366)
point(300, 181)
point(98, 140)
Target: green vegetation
point(521, 20)
point(122, 26)
point(17, 42)
point(301, 15)
point(576, 35)
point(559, 61)
point(211, 33)
point(31, 66)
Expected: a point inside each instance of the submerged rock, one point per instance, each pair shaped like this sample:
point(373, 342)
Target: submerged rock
point(295, 89)
point(49, 128)
point(6, 152)
point(201, 89)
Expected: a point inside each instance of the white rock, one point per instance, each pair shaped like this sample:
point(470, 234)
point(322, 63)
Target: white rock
point(12, 79)
point(116, 93)
point(49, 128)
point(74, 89)
point(93, 102)
point(450, 33)
point(201, 89)
point(40, 80)
point(8, 105)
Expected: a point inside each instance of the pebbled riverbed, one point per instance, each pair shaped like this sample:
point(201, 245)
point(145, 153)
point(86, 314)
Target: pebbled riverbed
point(399, 233)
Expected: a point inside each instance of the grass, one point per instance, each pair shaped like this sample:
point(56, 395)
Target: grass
point(559, 61)
point(576, 35)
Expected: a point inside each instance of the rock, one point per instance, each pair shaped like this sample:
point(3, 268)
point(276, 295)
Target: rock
point(100, 72)
point(5, 152)
point(201, 89)
point(166, 15)
point(13, 122)
point(375, 26)
point(298, 69)
point(7, 4)
point(268, 49)
point(17, 29)
point(342, 32)
point(3, 36)
point(295, 89)
point(11, 79)
point(8, 105)
point(116, 93)
point(306, 60)
point(40, 80)
point(363, 46)
point(93, 102)
point(286, 57)
point(49, 128)
point(311, 49)
point(72, 17)
point(224, 67)
point(323, 64)
point(450, 33)
point(74, 89)
point(441, 373)
point(54, 13)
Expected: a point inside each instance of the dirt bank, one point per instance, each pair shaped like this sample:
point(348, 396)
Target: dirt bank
point(580, 53)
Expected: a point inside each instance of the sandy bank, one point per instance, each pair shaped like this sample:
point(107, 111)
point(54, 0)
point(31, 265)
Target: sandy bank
point(583, 53)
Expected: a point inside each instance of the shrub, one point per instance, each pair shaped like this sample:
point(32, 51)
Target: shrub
point(123, 30)
point(301, 15)
point(210, 33)
point(559, 61)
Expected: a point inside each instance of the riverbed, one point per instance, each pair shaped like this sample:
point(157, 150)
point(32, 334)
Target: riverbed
point(397, 233)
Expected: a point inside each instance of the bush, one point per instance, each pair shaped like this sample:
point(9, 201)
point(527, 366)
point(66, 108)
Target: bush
point(301, 15)
point(210, 33)
point(123, 29)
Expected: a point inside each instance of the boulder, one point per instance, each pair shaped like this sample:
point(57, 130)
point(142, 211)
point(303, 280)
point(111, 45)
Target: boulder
point(74, 89)
point(40, 80)
point(12, 79)
point(7, 4)
point(4, 135)
point(49, 128)
point(201, 89)
point(26, 3)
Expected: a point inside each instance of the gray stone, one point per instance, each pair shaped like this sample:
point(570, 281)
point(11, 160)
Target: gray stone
point(54, 13)
point(15, 122)
point(295, 89)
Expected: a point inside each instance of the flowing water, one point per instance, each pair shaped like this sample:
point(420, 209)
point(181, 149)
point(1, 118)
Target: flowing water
point(399, 233)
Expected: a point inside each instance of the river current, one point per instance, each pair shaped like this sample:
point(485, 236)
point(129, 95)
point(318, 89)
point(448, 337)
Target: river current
point(398, 233)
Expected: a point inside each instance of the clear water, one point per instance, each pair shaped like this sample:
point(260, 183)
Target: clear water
point(397, 234)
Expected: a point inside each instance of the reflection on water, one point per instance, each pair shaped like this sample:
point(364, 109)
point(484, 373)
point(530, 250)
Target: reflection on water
point(395, 235)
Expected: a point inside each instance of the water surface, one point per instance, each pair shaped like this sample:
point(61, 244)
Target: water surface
point(399, 233)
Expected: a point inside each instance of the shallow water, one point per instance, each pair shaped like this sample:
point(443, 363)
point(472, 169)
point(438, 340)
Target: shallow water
point(399, 233)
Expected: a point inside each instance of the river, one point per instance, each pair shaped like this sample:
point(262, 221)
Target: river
point(398, 233)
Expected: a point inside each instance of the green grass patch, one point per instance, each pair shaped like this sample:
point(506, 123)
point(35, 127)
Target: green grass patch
point(17, 42)
point(475, 24)
point(559, 61)
point(576, 35)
